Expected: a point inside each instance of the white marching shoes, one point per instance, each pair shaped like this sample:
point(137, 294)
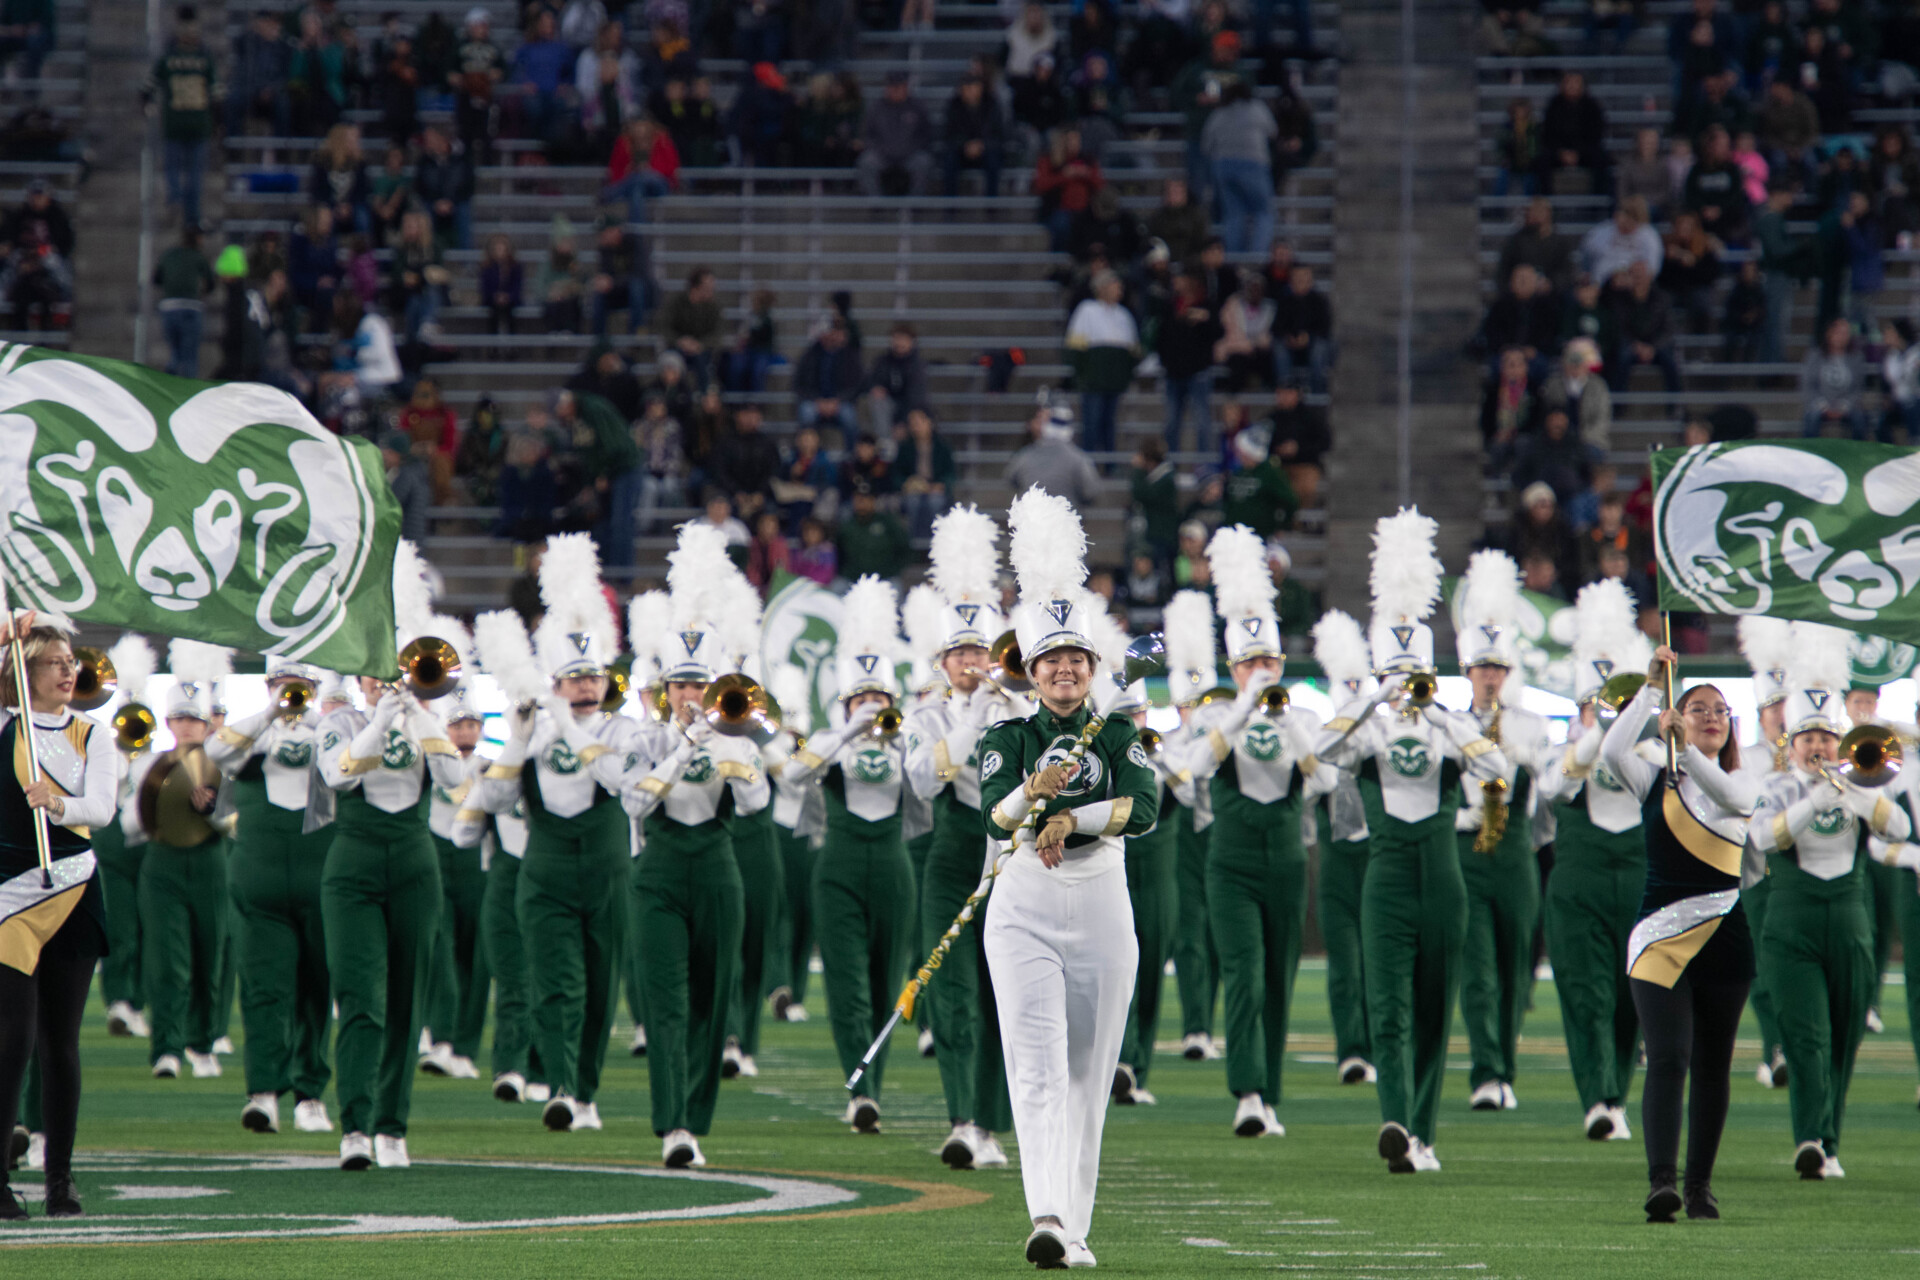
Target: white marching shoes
point(390, 1152)
point(166, 1067)
point(1250, 1117)
point(1078, 1255)
point(310, 1116)
point(463, 1068)
point(439, 1059)
point(958, 1151)
point(926, 1042)
point(586, 1115)
point(223, 1047)
point(356, 1151)
point(1599, 1122)
point(1047, 1246)
point(125, 1020)
point(863, 1114)
point(36, 1157)
point(730, 1059)
point(1488, 1097)
point(638, 1046)
point(1198, 1046)
point(206, 1066)
point(1423, 1157)
point(1124, 1083)
point(988, 1153)
point(681, 1150)
point(509, 1086)
point(261, 1114)
point(1507, 1101)
point(1620, 1131)
point(558, 1114)
point(1810, 1161)
point(1142, 1098)
point(1356, 1071)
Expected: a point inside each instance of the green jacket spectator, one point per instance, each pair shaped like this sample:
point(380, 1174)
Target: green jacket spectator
point(871, 540)
point(1260, 498)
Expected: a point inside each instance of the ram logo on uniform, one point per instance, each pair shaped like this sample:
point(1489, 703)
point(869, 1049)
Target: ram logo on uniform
point(1058, 610)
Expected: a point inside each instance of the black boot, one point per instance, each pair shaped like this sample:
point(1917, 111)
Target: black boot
point(17, 1146)
point(12, 1207)
point(1663, 1200)
point(63, 1199)
point(1701, 1202)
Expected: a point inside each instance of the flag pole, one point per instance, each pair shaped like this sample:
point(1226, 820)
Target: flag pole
point(1673, 738)
point(17, 644)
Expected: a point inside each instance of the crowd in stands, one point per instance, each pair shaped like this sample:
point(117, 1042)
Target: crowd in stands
point(1762, 183)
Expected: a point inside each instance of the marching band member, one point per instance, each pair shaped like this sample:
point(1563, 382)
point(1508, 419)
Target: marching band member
point(863, 884)
point(1883, 885)
point(1059, 940)
point(183, 878)
point(943, 768)
point(648, 614)
point(1340, 647)
point(1902, 858)
point(1192, 682)
point(799, 829)
point(1690, 956)
point(571, 899)
point(927, 685)
point(686, 788)
point(280, 946)
point(1599, 871)
point(756, 847)
point(1494, 830)
point(50, 937)
point(1413, 908)
point(1767, 645)
point(380, 888)
point(457, 990)
point(120, 856)
point(1257, 763)
point(1817, 946)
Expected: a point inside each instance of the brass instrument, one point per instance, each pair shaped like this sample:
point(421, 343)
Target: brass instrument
point(619, 684)
point(1009, 669)
point(1422, 688)
point(1493, 800)
point(739, 707)
point(295, 696)
point(1780, 753)
point(653, 700)
point(1870, 756)
point(1616, 693)
point(886, 726)
point(1219, 693)
point(429, 668)
point(95, 682)
point(1273, 701)
point(166, 798)
point(1152, 743)
point(133, 727)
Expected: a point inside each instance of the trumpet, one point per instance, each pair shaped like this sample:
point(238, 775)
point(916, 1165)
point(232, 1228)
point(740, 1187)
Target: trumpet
point(1616, 693)
point(429, 668)
point(133, 727)
point(1870, 756)
point(1422, 688)
point(739, 707)
point(886, 726)
point(1152, 743)
point(294, 697)
point(95, 682)
point(1273, 701)
point(1009, 669)
point(619, 683)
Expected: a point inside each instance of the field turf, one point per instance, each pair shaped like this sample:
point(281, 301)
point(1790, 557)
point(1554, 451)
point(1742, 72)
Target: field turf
point(1523, 1194)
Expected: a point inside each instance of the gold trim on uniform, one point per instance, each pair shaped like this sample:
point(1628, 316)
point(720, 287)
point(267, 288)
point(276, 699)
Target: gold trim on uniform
point(25, 932)
point(1479, 747)
point(502, 772)
point(1700, 840)
point(1664, 961)
point(353, 768)
point(808, 760)
point(1882, 814)
point(470, 815)
point(593, 751)
point(1005, 823)
point(1117, 822)
point(1571, 765)
point(654, 787)
point(1339, 724)
point(1309, 765)
point(734, 769)
point(1221, 747)
point(437, 747)
point(943, 767)
point(1782, 836)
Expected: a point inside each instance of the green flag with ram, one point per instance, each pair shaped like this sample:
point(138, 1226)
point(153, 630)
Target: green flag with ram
point(221, 512)
point(1820, 530)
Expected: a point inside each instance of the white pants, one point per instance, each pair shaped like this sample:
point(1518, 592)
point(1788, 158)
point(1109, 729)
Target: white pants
point(1063, 956)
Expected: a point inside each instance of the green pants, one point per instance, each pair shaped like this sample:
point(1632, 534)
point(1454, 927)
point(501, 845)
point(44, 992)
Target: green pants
point(1496, 957)
point(1196, 964)
point(917, 849)
point(229, 973)
point(506, 960)
point(1592, 901)
point(1257, 902)
point(1153, 885)
point(690, 917)
point(1817, 953)
point(966, 1025)
point(380, 898)
point(1906, 906)
point(573, 913)
point(1882, 885)
point(763, 881)
point(280, 949)
point(863, 909)
point(120, 977)
point(1755, 901)
point(183, 927)
point(1343, 872)
point(1413, 916)
point(635, 963)
point(457, 998)
point(797, 856)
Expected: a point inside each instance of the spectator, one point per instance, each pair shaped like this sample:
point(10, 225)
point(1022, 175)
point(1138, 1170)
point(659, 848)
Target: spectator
point(1613, 246)
point(671, 381)
point(621, 277)
point(412, 490)
point(1303, 330)
point(1237, 142)
point(1515, 30)
point(185, 83)
point(926, 472)
point(1784, 259)
point(1103, 346)
point(864, 464)
point(1518, 149)
point(767, 554)
point(541, 66)
point(502, 284)
point(1745, 318)
point(663, 473)
point(1701, 43)
point(1720, 105)
point(1855, 235)
point(1197, 91)
point(396, 86)
point(443, 181)
point(1509, 409)
point(563, 279)
point(339, 179)
point(1184, 338)
point(1178, 223)
point(816, 558)
point(259, 68)
point(754, 351)
point(691, 323)
point(1537, 244)
point(185, 277)
point(1294, 602)
point(1039, 102)
point(389, 195)
point(686, 111)
point(1893, 181)
point(1643, 323)
point(1573, 140)
point(313, 265)
point(719, 514)
point(317, 76)
point(435, 434)
point(1029, 37)
point(1552, 456)
point(1153, 515)
point(606, 83)
point(1900, 372)
point(1611, 532)
point(1541, 532)
point(418, 276)
point(896, 153)
point(1523, 316)
point(1689, 271)
point(808, 483)
point(529, 492)
point(1105, 229)
point(1644, 175)
point(897, 383)
point(604, 373)
point(1772, 47)
point(41, 217)
point(1788, 126)
point(975, 136)
point(1583, 316)
point(1298, 140)
point(1258, 494)
point(765, 117)
point(747, 461)
point(1753, 167)
point(476, 71)
point(871, 540)
point(1247, 348)
point(1833, 380)
point(1825, 71)
point(612, 464)
point(1300, 441)
point(643, 166)
point(1585, 399)
point(1053, 462)
point(827, 381)
point(1065, 180)
point(481, 454)
point(1716, 189)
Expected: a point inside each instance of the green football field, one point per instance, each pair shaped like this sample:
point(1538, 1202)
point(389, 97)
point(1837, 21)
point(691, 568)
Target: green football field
point(174, 1187)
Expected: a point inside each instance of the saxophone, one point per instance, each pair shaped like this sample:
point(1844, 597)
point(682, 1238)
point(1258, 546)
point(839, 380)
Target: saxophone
point(1780, 753)
point(1493, 799)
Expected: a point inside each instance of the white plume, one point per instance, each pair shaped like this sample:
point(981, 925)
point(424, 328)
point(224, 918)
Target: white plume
point(1820, 657)
point(870, 618)
point(1766, 643)
point(1110, 639)
point(1490, 594)
point(1340, 647)
point(454, 632)
point(506, 654)
point(789, 687)
point(133, 664)
point(1188, 625)
point(1047, 545)
point(575, 601)
point(413, 586)
point(1242, 582)
point(193, 662)
point(1406, 571)
point(739, 621)
point(925, 617)
point(647, 616)
point(697, 573)
point(1606, 622)
point(966, 556)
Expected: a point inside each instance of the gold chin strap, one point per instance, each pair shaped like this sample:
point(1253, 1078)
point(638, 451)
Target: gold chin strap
point(1493, 799)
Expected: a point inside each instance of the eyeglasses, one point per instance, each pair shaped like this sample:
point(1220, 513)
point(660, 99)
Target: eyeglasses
point(1709, 713)
point(61, 666)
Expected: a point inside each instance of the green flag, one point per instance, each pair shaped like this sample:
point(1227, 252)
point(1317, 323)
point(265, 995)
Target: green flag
point(1819, 530)
point(220, 512)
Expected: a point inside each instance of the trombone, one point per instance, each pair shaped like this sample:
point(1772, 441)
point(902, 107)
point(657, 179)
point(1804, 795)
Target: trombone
point(738, 706)
point(1007, 669)
point(1616, 693)
point(133, 727)
point(295, 696)
point(95, 682)
point(886, 726)
point(429, 668)
point(1273, 701)
point(1422, 687)
point(1870, 756)
point(1152, 742)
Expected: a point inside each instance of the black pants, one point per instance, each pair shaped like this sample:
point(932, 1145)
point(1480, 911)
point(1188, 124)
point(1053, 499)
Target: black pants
point(1688, 1028)
point(46, 1009)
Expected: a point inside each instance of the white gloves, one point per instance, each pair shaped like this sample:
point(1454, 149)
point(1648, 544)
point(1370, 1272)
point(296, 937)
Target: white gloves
point(390, 708)
point(1859, 802)
point(520, 724)
point(1895, 854)
point(1248, 701)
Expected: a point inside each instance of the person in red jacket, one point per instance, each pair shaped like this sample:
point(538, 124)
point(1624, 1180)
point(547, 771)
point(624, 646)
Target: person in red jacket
point(1065, 180)
point(644, 164)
